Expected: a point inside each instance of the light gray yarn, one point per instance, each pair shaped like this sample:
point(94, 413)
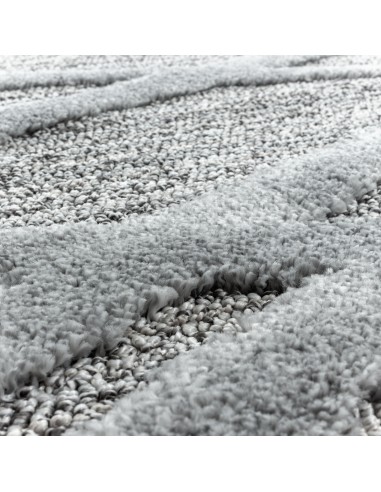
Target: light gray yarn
point(109, 73)
point(89, 388)
point(165, 84)
point(104, 168)
point(304, 364)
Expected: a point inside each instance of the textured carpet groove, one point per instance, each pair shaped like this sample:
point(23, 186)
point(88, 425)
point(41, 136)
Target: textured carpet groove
point(88, 388)
point(102, 169)
point(20, 119)
point(127, 203)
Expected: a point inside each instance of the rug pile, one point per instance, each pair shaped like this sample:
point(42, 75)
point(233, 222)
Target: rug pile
point(190, 245)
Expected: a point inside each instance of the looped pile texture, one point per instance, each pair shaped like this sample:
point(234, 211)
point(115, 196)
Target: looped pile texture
point(150, 210)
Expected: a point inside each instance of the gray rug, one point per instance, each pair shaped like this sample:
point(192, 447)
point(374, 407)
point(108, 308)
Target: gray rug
point(190, 245)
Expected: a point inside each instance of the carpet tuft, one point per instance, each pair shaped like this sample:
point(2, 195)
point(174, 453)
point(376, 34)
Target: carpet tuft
point(190, 245)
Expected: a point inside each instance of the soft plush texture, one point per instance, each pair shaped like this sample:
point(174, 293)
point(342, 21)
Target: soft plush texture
point(133, 185)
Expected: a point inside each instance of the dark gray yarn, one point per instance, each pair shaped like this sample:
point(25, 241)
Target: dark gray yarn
point(303, 365)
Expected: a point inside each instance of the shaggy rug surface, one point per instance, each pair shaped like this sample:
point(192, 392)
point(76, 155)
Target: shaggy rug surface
point(190, 245)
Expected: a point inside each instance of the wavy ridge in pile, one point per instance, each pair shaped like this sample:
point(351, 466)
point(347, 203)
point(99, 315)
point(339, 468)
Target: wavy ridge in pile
point(300, 367)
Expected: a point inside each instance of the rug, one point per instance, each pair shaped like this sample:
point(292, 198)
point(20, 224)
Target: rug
point(190, 245)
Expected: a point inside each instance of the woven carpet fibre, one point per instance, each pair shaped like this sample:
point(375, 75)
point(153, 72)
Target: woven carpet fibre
point(190, 245)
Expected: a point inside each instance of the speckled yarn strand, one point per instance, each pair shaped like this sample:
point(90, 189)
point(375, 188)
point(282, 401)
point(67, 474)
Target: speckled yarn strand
point(88, 388)
point(190, 245)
